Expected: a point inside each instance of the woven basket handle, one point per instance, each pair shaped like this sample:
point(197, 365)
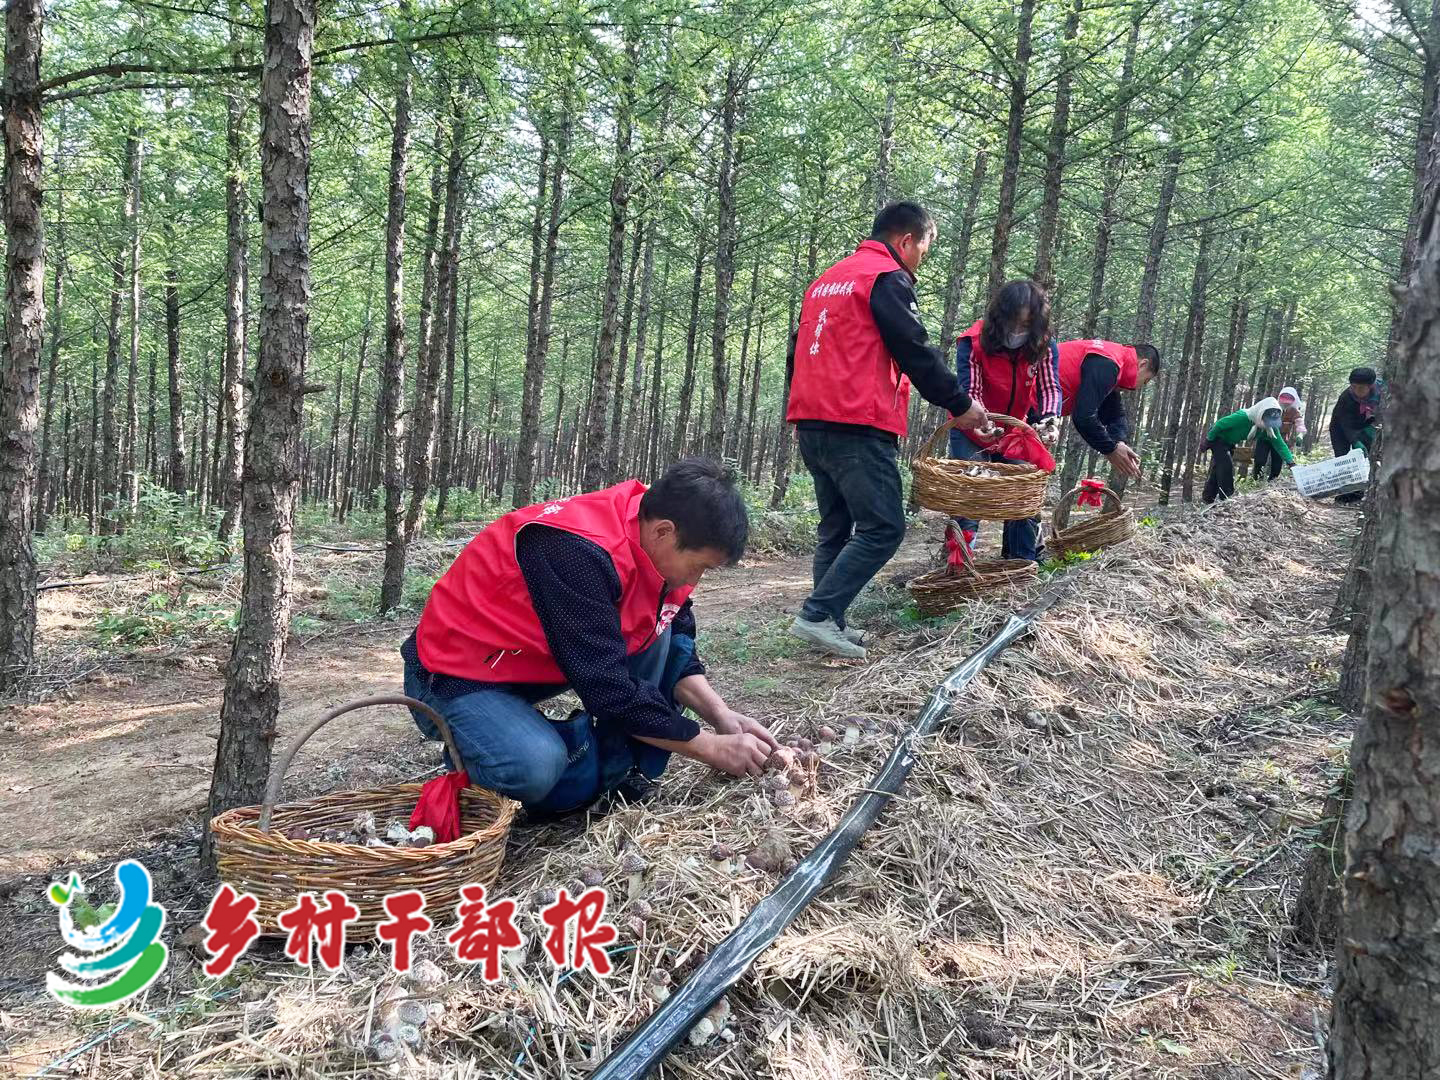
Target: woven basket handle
point(1061, 517)
point(1000, 418)
point(277, 774)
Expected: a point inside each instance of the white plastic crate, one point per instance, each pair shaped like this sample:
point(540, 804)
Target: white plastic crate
point(1332, 475)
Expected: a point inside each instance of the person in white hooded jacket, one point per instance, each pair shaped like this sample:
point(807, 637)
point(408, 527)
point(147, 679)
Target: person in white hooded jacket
point(1261, 420)
point(1292, 429)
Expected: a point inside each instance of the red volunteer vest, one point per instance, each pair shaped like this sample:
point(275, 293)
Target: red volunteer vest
point(1007, 381)
point(1072, 355)
point(843, 372)
point(479, 622)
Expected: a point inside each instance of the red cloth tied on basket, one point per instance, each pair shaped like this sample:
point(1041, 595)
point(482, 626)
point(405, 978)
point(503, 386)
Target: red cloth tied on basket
point(1092, 492)
point(439, 806)
point(958, 550)
point(1019, 444)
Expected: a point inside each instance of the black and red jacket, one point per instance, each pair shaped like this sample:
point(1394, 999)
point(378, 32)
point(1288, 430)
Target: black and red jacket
point(1092, 374)
point(860, 345)
point(1008, 382)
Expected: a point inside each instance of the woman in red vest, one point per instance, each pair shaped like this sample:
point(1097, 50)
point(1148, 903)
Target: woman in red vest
point(590, 593)
point(1092, 374)
point(1010, 365)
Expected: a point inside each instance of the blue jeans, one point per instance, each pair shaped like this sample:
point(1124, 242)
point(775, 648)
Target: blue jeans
point(509, 746)
point(862, 515)
point(1021, 538)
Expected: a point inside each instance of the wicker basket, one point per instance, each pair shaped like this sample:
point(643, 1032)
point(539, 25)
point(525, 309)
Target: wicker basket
point(1243, 455)
point(978, 489)
point(1113, 525)
point(255, 857)
point(943, 590)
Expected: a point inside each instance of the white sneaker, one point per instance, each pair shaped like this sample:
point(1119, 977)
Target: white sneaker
point(854, 635)
point(827, 636)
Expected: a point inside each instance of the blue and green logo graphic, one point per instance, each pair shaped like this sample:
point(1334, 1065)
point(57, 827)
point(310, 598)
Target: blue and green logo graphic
point(121, 938)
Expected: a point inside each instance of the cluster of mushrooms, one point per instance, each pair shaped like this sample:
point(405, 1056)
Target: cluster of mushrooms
point(364, 832)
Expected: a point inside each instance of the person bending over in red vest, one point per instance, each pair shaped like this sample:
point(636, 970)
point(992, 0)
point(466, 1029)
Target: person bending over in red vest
point(1010, 365)
point(859, 346)
point(1092, 374)
point(590, 593)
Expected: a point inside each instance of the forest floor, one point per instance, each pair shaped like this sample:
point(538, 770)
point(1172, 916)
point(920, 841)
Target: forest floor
point(1143, 936)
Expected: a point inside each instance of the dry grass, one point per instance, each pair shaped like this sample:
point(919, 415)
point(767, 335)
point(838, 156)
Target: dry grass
point(1089, 873)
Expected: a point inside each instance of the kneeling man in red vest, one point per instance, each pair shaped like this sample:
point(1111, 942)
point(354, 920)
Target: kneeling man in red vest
point(590, 593)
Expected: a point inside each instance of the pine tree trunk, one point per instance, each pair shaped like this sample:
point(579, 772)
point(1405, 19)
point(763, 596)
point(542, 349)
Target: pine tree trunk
point(252, 685)
point(1239, 323)
point(1194, 424)
point(24, 334)
point(1110, 186)
point(1386, 994)
point(886, 150)
point(614, 460)
point(687, 384)
point(634, 445)
point(172, 342)
point(783, 436)
point(1189, 366)
point(960, 254)
point(131, 479)
point(724, 267)
point(1150, 281)
point(597, 415)
point(1352, 604)
point(1429, 58)
point(429, 266)
point(447, 408)
point(747, 456)
point(651, 465)
point(1049, 225)
point(348, 480)
point(44, 483)
point(392, 376)
point(237, 271)
point(532, 398)
point(1014, 130)
point(735, 436)
point(422, 444)
point(110, 490)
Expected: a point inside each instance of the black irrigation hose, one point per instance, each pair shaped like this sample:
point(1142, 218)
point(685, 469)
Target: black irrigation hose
point(648, 1045)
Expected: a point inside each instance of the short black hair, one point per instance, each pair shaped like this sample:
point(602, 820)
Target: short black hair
point(1150, 353)
point(699, 495)
point(1365, 376)
point(899, 218)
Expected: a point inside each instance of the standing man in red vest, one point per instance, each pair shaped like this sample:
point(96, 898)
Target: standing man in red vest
point(1008, 362)
point(859, 346)
point(1092, 374)
point(590, 593)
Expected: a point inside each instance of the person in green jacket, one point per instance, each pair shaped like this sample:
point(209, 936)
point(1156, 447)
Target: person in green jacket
point(1261, 420)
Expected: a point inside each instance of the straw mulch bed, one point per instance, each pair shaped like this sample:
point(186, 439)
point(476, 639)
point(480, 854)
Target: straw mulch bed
point(1090, 872)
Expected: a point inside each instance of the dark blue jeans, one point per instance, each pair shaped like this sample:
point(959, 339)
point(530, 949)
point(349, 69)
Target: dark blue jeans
point(509, 746)
point(1021, 538)
point(862, 515)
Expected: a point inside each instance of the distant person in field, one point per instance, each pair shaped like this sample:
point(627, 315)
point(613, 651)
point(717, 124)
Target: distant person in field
point(1262, 420)
point(590, 593)
point(859, 347)
point(1355, 420)
point(1009, 364)
point(1093, 372)
point(1292, 430)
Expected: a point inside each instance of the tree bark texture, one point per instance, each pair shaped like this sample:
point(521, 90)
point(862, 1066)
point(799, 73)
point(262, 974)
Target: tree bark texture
point(724, 265)
point(24, 334)
point(597, 413)
point(1049, 226)
point(1387, 992)
point(237, 272)
point(1014, 130)
point(252, 684)
point(532, 397)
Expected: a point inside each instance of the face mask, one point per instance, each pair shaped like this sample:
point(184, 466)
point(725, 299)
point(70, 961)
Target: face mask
point(1272, 420)
point(1015, 340)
